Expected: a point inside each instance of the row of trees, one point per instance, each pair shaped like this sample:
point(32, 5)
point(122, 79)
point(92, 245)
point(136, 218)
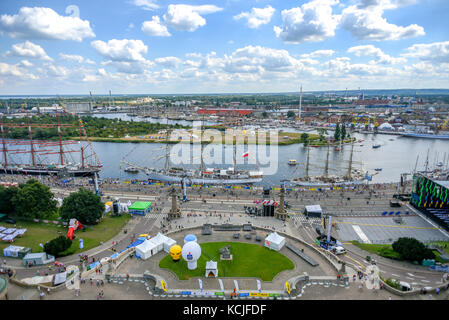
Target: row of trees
point(340, 132)
point(95, 127)
point(36, 201)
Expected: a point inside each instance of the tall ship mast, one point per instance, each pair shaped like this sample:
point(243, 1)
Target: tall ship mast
point(208, 176)
point(352, 176)
point(13, 163)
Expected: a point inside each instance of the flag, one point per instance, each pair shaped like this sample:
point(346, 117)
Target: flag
point(245, 154)
point(259, 286)
point(221, 285)
point(201, 284)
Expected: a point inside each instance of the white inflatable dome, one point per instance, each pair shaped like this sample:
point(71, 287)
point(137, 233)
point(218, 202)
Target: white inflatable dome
point(191, 252)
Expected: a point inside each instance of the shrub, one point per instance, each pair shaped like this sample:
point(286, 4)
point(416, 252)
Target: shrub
point(412, 250)
point(393, 283)
point(56, 246)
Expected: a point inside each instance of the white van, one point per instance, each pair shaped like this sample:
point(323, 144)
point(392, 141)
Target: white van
point(405, 286)
point(339, 250)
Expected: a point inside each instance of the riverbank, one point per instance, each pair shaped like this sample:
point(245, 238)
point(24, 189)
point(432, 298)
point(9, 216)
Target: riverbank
point(284, 139)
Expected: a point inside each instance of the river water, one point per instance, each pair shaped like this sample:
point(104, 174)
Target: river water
point(395, 156)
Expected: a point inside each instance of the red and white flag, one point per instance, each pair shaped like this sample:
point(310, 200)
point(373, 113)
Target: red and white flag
point(245, 154)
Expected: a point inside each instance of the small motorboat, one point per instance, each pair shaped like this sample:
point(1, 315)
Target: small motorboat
point(292, 162)
point(376, 146)
point(378, 169)
point(131, 170)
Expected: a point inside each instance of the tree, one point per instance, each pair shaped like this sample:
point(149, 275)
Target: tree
point(34, 200)
point(412, 250)
point(343, 132)
point(6, 196)
point(264, 114)
point(305, 138)
point(337, 132)
point(84, 206)
point(290, 114)
point(57, 245)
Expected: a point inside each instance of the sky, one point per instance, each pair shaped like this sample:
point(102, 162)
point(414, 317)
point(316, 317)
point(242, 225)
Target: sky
point(222, 46)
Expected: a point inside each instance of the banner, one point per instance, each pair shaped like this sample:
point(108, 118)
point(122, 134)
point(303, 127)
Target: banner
point(259, 287)
point(287, 286)
point(236, 285)
point(221, 285)
point(201, 284)
point(259, 294)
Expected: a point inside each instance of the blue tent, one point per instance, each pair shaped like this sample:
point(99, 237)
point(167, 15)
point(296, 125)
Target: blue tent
point(135, 243)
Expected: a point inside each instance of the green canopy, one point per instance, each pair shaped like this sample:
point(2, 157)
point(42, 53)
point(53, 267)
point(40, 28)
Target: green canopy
point(140, 205)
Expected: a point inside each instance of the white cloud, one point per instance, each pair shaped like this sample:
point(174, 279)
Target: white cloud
point(259, 59)
point(313, 21)
point(29, 50)
point(170, 62)
point(184, 17)
point(90, 78)
point(155, 28)
point(56, 71)
point(15, 71)
point(75, 58)
point(370, 50)
point(318, 54)
point(436, 52)
point(45, 23)
point(257, 16)
point(366, 21)
point(121, 50)
point(129, 67)
point(25, 63)
point(149, 5)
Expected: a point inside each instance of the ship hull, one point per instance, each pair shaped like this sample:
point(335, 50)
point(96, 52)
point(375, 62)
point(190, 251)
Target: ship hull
point(327, 184)
point(426, 136)
point(192, 180)
point(43, 172)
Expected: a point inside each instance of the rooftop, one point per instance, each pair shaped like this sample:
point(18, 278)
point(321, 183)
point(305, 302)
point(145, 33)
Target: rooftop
point(443, 183)
point(140, 205)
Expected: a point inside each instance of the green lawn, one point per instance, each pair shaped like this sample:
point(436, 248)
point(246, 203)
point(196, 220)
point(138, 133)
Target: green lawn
point(383, 250)
point(249, 260)
point(443, 244)
point(42, 232)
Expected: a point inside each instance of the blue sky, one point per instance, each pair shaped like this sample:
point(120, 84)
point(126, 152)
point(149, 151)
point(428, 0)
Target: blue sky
point(158, 46)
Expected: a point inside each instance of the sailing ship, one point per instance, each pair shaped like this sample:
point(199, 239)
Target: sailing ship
point(352, 177)
point(39, 148)
point(207, 176)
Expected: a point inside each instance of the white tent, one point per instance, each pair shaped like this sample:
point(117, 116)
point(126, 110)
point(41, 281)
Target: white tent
point(274, 241)
point(159, 240)
point(12, 251)
point(168, 244)
point(146, 249)
point(211, 269)
point(154, 245)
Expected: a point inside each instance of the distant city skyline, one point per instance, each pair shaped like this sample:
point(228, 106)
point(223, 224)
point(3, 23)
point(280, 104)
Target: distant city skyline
point(210, 47)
